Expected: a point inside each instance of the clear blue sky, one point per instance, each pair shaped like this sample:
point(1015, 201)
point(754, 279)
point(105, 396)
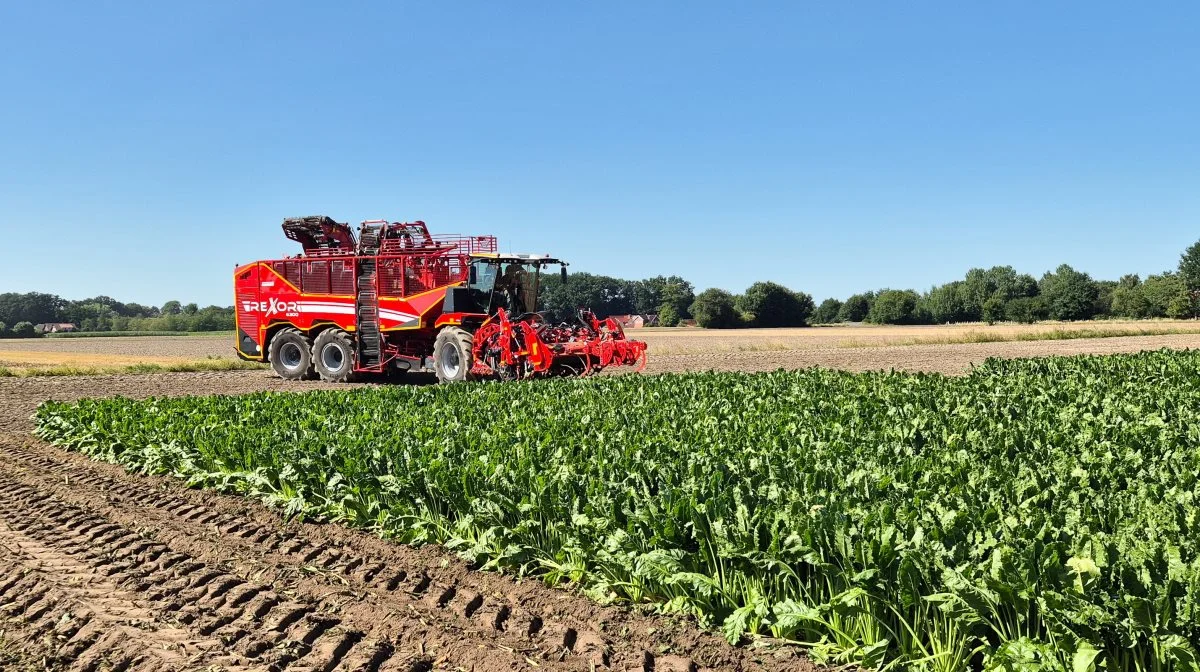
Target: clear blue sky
point(147, 147)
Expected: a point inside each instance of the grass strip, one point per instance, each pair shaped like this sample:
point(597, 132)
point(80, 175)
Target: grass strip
point(112, 334)
point(212, 364)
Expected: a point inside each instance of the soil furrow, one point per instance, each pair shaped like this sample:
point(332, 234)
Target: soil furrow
point(183, 623)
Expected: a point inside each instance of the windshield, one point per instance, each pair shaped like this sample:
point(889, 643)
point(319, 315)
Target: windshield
point(499, 284)
point(517, 287)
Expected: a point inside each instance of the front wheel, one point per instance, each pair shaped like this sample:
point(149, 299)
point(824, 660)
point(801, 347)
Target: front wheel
point(290, 355)
point(452, 357)
point(334, 356)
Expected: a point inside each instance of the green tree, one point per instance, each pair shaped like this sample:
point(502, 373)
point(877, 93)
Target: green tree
point(4, 332)
point(979, 285)
point(1105, 289)
point(1025, 309)
point(1160, 291)
point(172, 308)
point(895, 306)
point(1130, 280)
point(34, 307)
point(679, 294)
point(993, 309)
point(976, 287)
point(1129, 299)
point(1181, 306)
point(770, 304)
point(1070, 294)
point(856, 308)
point(650, 294)
point(23, 330)
point(715, 309)
point(1005, 282)
point(138, 310)
point(91, 313)
point(1024, 285)
point(1189, 267)
point(601, 294)
point(191, 309)
point(668, 316)
point(827, 312)
point(945, 303)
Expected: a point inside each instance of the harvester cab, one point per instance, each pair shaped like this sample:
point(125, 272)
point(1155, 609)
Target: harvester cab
point(398, 298)
point(512, 282)
point(499, 313)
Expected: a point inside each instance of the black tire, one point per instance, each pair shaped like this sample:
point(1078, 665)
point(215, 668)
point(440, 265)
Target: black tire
point(452, 358)
point(333, 356)
point(290, 355)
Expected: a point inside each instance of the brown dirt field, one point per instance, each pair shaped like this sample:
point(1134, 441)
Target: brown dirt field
point(103, 352)
point(25, 359)
point(701, 341)
point(949, 359)
point(100, 569)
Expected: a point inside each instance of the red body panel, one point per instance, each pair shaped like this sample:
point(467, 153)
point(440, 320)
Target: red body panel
point(267, 300)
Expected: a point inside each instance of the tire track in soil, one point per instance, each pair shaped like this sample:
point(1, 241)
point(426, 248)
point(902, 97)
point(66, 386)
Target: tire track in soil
point(432, 608)
point(119, 601)
point(56, 595)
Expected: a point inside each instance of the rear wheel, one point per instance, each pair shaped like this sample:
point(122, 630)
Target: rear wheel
point(452, 357)
point(333, 353)
point(290, 355)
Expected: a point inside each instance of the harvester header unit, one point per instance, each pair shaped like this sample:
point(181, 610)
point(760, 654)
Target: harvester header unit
point(397, 298)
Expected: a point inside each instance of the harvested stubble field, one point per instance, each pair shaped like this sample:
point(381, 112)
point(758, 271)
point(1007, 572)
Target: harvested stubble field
point(950, 349)
point(102, 568)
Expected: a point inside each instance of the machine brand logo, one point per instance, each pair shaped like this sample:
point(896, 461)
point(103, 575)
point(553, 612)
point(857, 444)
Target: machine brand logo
point(271, 307)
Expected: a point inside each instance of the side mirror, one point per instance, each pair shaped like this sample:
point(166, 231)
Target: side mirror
point(563, 273)
point(474, 275)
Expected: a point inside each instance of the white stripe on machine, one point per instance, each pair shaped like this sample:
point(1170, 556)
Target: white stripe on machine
point(323, 307)
point(395, 315)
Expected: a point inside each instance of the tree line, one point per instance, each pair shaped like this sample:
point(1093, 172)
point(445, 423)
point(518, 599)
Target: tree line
point(1001, 294)
point(988, 295)
point(104, 313)
point(673, 299)
point(669, 297)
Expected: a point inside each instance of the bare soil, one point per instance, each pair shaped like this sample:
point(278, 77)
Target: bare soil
point(100, 569)
point(860, 336)
point(954, 359)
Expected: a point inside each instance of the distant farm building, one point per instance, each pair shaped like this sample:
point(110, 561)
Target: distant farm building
point(54, 327)
point(636, 321)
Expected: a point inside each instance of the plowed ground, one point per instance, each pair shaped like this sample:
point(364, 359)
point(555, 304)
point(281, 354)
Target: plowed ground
point(102, 570)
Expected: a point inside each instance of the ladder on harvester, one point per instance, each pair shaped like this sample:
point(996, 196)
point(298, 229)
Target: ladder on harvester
point(366, 304)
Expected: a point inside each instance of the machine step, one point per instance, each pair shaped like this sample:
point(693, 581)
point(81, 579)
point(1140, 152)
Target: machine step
point(366, 304)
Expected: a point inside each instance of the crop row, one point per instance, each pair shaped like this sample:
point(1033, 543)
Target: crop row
point(1036, 514)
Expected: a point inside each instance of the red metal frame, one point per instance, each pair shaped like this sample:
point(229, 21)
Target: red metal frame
point(533, 348)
